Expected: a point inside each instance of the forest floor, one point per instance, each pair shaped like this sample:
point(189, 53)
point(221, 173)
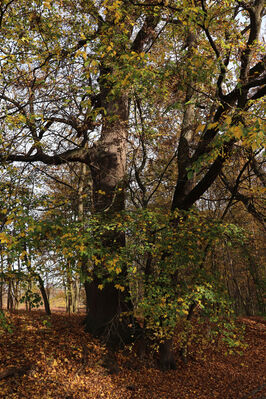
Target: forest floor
point(52, 358)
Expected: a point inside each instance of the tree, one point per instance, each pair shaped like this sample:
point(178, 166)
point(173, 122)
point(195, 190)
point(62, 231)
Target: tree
point(18, 203)
point(72, 73)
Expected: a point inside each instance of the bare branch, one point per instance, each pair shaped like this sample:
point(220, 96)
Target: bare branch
point(255, 14)
point(247, 202)
point(74, 155)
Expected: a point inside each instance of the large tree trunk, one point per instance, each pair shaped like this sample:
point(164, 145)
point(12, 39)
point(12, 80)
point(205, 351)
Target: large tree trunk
point(182, 188)
point(108, 170)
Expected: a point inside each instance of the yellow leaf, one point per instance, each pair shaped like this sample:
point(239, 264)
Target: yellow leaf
point(254, 146)
point(23, 254)
point(84, 55)
point(3, 238)
point(119, 287)
point(47, 3)
point(212, 125)
point(236, 131)
point(228, 120)
point(200, 128)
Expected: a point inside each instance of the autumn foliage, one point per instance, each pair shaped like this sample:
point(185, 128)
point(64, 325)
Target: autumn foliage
point(132, 179)
point(52, 358)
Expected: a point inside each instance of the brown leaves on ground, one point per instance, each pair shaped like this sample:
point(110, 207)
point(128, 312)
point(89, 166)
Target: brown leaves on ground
point(54, 359)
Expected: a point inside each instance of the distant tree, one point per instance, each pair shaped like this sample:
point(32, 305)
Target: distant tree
point(18, 203)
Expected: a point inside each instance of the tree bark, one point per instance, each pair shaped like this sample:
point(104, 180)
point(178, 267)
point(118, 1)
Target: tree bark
point(183, 186)
point(108, 168)
point(44, 296)
point(166, 355)
point(1, 281)
point(9, 297)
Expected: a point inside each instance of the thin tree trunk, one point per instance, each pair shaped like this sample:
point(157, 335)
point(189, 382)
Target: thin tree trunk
point(44, 296)
point(1, 294)
point(253, 269)
point(40, 282)
point(1, 281)
point(14, 285)
point(68, 290)
point(75, 294)
point(28, 303)
point(9, 297)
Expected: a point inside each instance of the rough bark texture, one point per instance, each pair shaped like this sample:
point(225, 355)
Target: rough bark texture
point(108, 167)
point(108, 170)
